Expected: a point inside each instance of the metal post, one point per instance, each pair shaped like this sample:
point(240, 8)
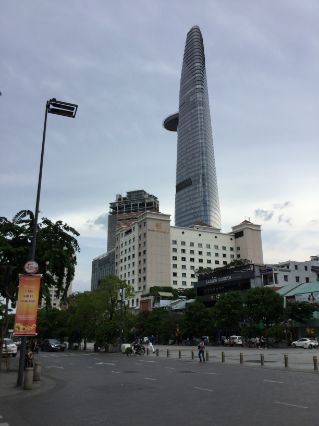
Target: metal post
point(167, 353)
point(262, 359)
point(286, 360)
point(223, 356)
point(315, 363)
point(207, 356)
point(192, 355)
point(179, 354)
point(157, 352)
point(241, 357)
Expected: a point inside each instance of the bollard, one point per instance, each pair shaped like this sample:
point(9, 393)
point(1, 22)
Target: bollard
point(207, 356)
point(157, 352)
point(315, 363)
point(167, 353)
point(192, 354)
point(28, 378)
point(286, 360)
point(223, 356)
point(241, 357)
point(262, 359)
point(37, 372)
point(179, 354)
point(7, 363)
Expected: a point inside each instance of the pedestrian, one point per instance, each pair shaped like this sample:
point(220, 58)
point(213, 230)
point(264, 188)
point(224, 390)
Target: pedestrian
point(151, 340)
point(201, 351)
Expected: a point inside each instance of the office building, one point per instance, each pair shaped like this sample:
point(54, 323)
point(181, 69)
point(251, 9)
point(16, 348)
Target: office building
point(196, 198)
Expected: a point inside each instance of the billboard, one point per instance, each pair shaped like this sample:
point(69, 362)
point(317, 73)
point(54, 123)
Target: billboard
point(27, 305)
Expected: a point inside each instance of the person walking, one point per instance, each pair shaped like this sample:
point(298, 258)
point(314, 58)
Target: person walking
point(151, 340)
point(201, 351)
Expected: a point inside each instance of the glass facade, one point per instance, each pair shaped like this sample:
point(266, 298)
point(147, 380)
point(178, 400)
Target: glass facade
point(196, 199)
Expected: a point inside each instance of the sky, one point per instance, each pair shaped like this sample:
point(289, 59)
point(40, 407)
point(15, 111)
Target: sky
point(120, 61)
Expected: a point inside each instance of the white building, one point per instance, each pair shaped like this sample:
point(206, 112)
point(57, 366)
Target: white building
point(282, 273)
point(149, 252)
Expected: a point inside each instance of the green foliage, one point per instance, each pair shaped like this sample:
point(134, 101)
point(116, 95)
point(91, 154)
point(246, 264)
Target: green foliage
point(55, 253)
point(198, 320)
point(228, 312)
point(300, 311)
point(263, 306)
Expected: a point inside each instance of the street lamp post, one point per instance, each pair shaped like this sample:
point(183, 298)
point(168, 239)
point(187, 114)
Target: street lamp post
point(67, 110)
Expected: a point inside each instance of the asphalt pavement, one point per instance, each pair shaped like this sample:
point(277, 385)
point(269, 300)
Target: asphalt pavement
point(87, 388)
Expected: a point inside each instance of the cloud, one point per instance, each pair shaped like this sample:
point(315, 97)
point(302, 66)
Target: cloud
point(314, 222)
point(264, 214)
point(100, 222)
point(282, 219)
point(280, 206)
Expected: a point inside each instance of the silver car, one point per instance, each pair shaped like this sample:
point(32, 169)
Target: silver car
point(9, 348)
point(305, 343)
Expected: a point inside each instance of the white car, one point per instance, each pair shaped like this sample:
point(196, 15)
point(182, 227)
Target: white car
point(9, 347)
point(235, 341)
point(305, 343)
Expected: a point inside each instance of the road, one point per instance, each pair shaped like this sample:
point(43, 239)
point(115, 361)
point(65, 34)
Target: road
point(112, 389)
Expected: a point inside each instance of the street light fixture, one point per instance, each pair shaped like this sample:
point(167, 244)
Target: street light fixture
point(67, 110)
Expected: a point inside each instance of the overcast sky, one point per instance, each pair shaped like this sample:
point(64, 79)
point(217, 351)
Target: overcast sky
point(120, 61)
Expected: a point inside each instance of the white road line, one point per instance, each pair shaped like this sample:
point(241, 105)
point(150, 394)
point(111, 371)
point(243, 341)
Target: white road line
point(290, 405)
point(150, 378)
point(104, 363)
point(203, 389)
point(142, 360)
point(54, 366)
point(210, 373)
point(170, 368)
point(116, 372)
point(4, 424)
point(273, 381)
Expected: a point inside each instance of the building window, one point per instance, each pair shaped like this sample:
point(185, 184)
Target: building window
point(224, 255)
point(192, 275)
point(232, 256)
point(216, 262)
point(183, 243)
point(192, 259)
point(191, 251)
point(174, 242)
point(174, 274)
point(191, 244)
point(192, 267)
point(174, 250)
point(238, 256)
point(200, 245)
point(209, 261)
point(216, 255)
point(238, 248)
point(208, 253)
point(306, 268)
point(200, 253)
point(200, 260)
point(183, 266)
point(183, 251)
point(286, 278)
point(223, 248)
point(224, 262)
point(297, 279)
point(216, 247)
point(296, 267)
point(207, 245)
point(174, 265)
point(174, 282)
point(174, 258)
point(184, 283)
point(184, 274)
point(307, 279)
point(183, 259)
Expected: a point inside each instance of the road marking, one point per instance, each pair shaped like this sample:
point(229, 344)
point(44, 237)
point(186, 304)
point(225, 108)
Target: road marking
point(203, 389)
point(142, 360)
point(273, 381)
point(210, 373)
point(170, 368)
point(116, 372)
point(54, 366)
point(150, 378)
point(4, 424)
point(290, 405)
point(104, 363)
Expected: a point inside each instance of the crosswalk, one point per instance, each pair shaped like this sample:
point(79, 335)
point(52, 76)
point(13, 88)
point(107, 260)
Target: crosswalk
point(3, 423)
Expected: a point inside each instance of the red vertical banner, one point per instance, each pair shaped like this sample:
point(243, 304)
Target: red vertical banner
point(27, 305)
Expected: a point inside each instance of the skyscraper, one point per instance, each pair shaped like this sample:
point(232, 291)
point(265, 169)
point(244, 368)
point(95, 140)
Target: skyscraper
point(196, 199)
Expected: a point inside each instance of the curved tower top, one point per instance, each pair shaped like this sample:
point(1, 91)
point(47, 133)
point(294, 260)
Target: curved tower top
point(196, 199)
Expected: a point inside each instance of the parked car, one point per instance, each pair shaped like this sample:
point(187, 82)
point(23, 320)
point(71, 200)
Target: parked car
point(52, 345)
point(235, 341)
point(305, 343)
point(9, 348)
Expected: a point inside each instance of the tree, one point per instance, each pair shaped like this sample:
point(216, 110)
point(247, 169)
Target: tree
point(263, 307)
point(55, 254)
point(197, 320)
point(228, 312)
point(300, 311)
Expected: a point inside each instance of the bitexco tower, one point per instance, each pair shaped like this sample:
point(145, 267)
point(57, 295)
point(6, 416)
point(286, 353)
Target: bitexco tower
point(196, 199)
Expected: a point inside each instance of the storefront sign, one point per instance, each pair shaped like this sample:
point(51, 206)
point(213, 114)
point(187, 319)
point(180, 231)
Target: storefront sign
point(27, 305)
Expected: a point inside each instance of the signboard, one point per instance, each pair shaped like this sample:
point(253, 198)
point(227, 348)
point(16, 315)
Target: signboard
point(31, 267)
point(27, 305)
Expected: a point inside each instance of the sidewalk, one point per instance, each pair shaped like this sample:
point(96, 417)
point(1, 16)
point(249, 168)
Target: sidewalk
point(8, 381)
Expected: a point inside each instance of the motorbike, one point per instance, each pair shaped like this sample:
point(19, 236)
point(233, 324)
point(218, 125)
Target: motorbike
point(135, 349)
